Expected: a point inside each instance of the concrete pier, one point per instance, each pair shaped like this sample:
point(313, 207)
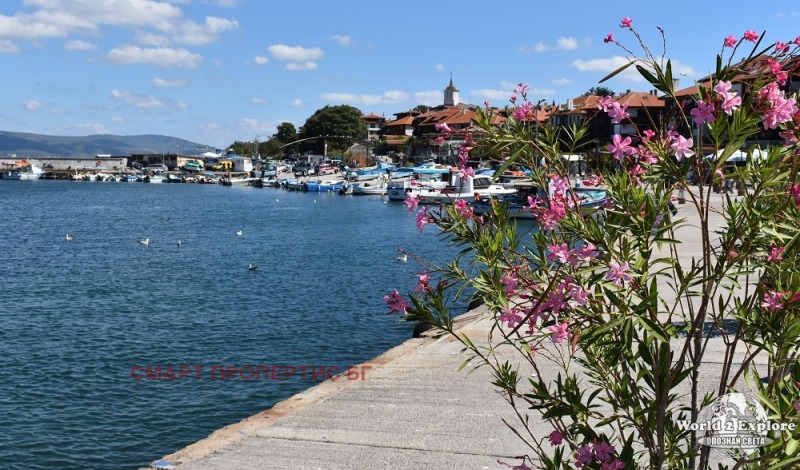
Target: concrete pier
point(414, 410)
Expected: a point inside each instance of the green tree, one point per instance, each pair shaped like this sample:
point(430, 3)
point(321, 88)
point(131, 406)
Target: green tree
point(343, 121)
point(286, 133)
point(422, 108)
point(599, 91)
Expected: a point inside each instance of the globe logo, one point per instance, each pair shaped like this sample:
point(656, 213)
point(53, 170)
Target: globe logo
point(735, 424)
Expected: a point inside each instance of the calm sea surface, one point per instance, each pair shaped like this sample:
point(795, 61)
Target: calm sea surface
point(76, 317)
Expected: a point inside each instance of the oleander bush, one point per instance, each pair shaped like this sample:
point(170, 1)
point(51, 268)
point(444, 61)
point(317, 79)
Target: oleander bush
point(601, 320)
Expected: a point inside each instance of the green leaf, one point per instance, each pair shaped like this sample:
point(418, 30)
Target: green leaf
point(653, 328)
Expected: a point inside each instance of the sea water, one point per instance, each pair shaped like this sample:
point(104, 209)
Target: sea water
point(85, 324)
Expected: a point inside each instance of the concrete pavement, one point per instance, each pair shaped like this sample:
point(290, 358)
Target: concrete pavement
point(415, 410)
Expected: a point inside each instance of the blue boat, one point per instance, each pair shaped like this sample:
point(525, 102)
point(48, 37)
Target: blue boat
point(369, 173)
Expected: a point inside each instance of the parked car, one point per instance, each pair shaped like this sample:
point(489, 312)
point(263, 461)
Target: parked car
point(192, 166)
point(303, 169)
point(328, 169)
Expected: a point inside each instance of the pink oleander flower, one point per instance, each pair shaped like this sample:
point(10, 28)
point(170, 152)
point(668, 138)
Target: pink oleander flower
point(781, 47)
point(620, 147)
point(796, 41)
point(466, 172)
point(609, 38)
point(486, 104)
point(682, 147)
point(513, 97)
point(604, 102)
point(703, 113)
point(730, 100)
point(555, 438)
point(618, 112)
point(562, 253)
point(423, 219)
point(411, 202)
point(463, 208)
point(730, 41)
point(509, 283)
point(584, 456)
point(559, 332)
point(423, 280)
point(773, 301)
point(616, 464)
point(750, 35)
point(511, 316)
point(443, 127)
point(648, 134)
point(775, 254)
point(795, 193)
point(780, 108)
point(618, 273)
point(521, 113)
point(579, 297)
point(625, 22)
point(603, 452)
point(396, 303)
point(797, 406)
point(587, 252)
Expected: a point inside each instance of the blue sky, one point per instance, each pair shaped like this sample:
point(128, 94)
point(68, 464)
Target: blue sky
point(216, 71)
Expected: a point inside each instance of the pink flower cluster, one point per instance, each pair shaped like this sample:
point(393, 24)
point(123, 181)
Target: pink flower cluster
point(573, 256)
point(601, 452)
point(396, 303)
point(779, 109)
point(616, 111)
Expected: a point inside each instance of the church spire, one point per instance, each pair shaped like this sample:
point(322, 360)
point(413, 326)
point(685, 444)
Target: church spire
point(451, 94)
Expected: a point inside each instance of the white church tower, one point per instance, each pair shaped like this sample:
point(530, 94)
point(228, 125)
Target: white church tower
point(451, 94)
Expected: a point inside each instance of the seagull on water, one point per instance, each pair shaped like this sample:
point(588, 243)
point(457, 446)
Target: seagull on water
point(144, 241)
point(70, 237)
point(238, 233)
point(401, 258)
point(178, 242)
point(251, 267)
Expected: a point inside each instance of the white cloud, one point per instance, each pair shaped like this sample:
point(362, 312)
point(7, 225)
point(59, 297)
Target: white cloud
point(300, 66)
point(117, 119)
point(344, 40)
point(503, 94)
point(258, 101)
point(139, 100)
point(256, 126)
point(8, 47)
point(439, 67)
point(79, 46)
point(562, 81)
point(536, 48)
point(562, 43)
point(428, 98)
point(197, 34)
point(155, 56)
point(153, 22)
point(566, 43)
point(33, 105)
point(388, 97)
point(295, 54)
point(260, 60)
point(298, 103)
point(169, 83)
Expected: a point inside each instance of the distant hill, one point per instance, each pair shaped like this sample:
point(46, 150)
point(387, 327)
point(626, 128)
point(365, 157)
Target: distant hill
point(39, 145)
